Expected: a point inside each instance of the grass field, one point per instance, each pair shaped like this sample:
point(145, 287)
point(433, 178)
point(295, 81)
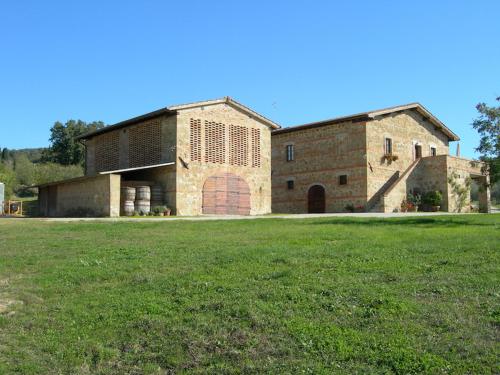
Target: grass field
point(330, 295)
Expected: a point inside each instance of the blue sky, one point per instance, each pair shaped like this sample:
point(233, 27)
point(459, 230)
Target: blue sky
point(293, 61)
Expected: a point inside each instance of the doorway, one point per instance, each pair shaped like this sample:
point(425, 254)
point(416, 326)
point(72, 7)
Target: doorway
point(316, 200)
point(226, 194)
point(418, 151)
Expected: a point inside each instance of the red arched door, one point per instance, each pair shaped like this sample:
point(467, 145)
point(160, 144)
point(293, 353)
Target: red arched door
point(316, 199)
point(226, 194)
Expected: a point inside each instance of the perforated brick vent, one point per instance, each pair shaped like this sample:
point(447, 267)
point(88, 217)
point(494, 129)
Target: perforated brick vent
point(107, 153)
point(195, 139)
point(215, 142)
point(238, 145)
point(256, 157)
point(144, 142)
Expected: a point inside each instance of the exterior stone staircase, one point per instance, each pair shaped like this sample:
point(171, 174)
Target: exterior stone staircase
point(392, 193)
point(374, 204)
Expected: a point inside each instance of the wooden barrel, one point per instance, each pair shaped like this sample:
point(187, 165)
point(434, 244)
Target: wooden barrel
point(128, 208)
point(143, 193)
point(157, 195)
point(127, 194)
point(143, 206)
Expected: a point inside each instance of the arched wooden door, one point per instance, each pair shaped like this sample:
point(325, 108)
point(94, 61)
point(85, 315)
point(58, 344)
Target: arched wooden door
point(316, 199)
point(226, 194)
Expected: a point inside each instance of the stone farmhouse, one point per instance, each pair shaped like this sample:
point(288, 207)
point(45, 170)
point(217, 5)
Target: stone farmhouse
point(220, 157)
point(370, 161)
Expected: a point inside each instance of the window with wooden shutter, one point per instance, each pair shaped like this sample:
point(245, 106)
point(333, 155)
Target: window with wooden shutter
point(289, 153)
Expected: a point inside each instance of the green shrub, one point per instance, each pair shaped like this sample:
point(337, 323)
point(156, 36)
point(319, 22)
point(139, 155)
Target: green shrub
point(349, 207)
point(157, 210)
point(433, 198)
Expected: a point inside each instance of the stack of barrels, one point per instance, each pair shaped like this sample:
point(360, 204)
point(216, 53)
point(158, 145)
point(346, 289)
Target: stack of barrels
point(156, 196)
point(143, 199)
point(127, 200)
point(140, 199)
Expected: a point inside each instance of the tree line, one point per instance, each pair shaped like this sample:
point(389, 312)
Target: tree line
point(21, 169)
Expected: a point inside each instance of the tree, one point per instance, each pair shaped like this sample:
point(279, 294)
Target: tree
point(5, 154)
point(488, 127)
point(64, 148)
point(8, 177)
point(50, 172)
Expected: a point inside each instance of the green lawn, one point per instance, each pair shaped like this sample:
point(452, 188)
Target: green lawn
point(331, 295)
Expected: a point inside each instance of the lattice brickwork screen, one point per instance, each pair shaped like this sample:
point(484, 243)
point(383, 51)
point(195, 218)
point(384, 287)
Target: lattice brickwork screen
point(107, 152)
point(256, 156)
point(144, 142)
point(238, 145)
point(215, 142)
point(195, 139)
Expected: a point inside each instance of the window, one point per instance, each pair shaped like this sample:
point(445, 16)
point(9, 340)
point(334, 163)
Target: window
point(290, 184)
point(343, 179)
point(433, 151)
point(418, 151)
point(388, 146)
point(289, 153)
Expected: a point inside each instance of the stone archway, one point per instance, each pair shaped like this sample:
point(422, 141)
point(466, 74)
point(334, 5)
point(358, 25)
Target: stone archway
point(226, 194)
point(316, 199)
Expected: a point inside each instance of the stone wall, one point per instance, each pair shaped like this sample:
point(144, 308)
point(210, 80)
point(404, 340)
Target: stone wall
point(392, 198)
point(431, 173)
point(193, 169)
point(465, 169)
point(97, 196)
point(321, 156)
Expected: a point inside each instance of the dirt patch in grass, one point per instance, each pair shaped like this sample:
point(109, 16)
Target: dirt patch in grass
point(7, 304)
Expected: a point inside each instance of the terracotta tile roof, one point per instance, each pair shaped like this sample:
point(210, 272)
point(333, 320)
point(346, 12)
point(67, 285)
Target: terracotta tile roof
point(371, 115)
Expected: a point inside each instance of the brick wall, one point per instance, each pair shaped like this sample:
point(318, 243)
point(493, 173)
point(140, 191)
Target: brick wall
point(321, 156)
point(147, 143)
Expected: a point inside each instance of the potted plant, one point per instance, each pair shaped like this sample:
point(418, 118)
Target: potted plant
point(167, 211)
point(414, 200)
point(432, 200)
point(404, 205)
point(359, 208)
point(159, 210)
point(390, 157)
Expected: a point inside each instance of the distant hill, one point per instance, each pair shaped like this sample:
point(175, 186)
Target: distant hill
point(33, 154)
